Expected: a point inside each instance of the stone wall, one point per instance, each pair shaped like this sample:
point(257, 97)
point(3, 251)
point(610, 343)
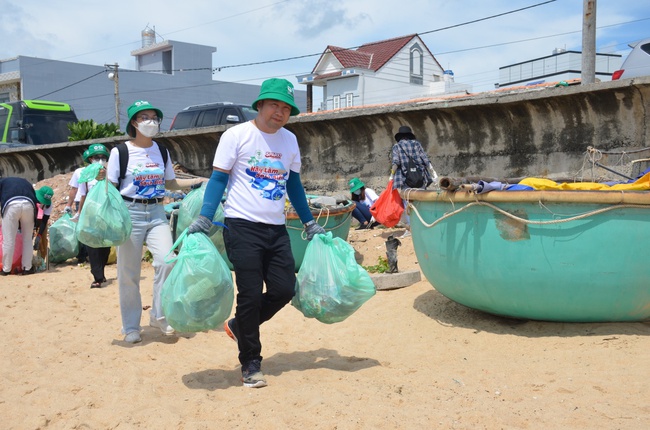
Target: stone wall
point(536, 132)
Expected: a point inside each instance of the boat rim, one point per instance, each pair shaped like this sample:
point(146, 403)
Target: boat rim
point(543, 196)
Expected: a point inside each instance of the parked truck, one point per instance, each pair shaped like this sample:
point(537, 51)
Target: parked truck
point(35, 122)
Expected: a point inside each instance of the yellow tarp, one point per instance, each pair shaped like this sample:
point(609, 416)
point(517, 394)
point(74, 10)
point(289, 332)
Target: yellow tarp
point(641, 184)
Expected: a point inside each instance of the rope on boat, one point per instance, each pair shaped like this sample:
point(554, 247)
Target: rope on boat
point(327, 211)
point(516, 218)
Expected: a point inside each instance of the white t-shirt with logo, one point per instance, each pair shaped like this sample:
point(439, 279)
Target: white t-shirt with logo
point(259, 165)
point(74, 183)
point(145, 175)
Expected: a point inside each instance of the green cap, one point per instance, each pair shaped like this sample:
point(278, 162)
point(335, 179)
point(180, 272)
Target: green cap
point(44, 195)
point(277, 89)
point(355, 184)
point(133, 110)
point(95, 149)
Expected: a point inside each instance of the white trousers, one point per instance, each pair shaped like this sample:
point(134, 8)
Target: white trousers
point(150, 226)
point(20, 210)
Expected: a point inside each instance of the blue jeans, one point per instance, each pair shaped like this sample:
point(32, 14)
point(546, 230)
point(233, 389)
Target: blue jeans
point(150, 226)
point(361, 213)
point(260, 254)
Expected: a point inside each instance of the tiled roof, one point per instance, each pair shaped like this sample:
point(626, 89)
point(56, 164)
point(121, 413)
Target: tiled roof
point(370, 55)
point(384, 50)
point(350, 58)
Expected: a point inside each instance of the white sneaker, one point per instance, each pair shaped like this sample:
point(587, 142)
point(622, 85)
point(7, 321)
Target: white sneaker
point(407, 233)
point(162, 324)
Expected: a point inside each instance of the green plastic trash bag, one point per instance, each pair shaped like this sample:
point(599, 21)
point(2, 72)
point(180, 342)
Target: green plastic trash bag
point(105, 220)
point(330, 285)
point(198, 294)
point(190, 209)
point(63, 240)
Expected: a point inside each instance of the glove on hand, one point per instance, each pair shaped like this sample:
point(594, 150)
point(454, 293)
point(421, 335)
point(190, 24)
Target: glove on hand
point(201, 224)
point(312, 228)
point(68, 210)
point(37, 242)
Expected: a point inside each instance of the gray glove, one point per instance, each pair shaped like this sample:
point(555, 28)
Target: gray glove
point(201, 224)
point(68, 210)
point(312, 228)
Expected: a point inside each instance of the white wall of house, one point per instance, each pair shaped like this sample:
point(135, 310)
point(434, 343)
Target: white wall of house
point(408, 75)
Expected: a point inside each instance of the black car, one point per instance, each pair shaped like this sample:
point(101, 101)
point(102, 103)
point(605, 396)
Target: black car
point(210, 114)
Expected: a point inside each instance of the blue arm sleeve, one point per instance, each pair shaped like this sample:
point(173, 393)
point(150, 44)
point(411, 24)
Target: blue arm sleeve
point(213, 193)
point(296, 194)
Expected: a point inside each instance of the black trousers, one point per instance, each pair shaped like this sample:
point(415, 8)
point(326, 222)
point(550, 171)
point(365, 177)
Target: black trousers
point(98, 258)
point(260, 254)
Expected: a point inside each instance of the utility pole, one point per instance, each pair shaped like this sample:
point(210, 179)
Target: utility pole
point(588, 73)
point(114, 76)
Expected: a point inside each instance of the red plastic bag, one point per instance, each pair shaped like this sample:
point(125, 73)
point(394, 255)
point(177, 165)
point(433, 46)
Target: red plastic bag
point(16, 264)
point(388, 208)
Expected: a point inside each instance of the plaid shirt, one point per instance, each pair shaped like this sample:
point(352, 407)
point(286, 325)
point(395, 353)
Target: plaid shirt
point(414, 149)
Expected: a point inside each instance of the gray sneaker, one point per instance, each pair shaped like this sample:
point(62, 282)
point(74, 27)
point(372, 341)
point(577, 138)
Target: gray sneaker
point(252, 376)
point(133, 337)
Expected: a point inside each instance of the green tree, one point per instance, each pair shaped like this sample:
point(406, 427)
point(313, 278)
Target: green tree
point(89, 129)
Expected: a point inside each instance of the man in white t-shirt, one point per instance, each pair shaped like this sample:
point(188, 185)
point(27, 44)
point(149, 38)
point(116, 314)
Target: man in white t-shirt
point(259, 162)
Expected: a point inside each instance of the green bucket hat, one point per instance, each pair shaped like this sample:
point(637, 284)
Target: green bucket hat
point(44, 195)
point(355, 184)
point(277, 89)
point(133, 110)
point(96, 149)
point(85, 155)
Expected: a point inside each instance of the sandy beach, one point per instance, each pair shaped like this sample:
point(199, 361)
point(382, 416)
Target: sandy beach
point(409, 358)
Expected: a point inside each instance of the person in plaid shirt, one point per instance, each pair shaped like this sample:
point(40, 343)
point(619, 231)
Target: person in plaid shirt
point(408, 146)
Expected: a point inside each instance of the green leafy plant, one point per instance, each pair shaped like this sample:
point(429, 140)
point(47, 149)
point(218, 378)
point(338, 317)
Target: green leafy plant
point(89, 129)
point(380, 267)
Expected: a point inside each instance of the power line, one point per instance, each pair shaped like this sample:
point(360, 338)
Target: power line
point(374, 43)
point(71, 85)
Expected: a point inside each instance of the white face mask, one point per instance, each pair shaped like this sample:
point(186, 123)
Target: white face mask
point(149, 128)
point(102, 162)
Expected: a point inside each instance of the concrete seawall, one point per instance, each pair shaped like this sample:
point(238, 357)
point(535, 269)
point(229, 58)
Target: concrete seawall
point(539, 131)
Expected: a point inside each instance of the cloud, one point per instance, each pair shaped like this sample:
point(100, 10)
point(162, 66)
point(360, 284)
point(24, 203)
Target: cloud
point(315, 18)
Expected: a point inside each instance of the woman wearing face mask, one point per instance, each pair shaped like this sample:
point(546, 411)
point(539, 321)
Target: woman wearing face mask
point(143, 188)
point(98, 257)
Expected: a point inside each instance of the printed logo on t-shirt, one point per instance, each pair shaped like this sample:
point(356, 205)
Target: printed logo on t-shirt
point(268, 174)
point(149, 180)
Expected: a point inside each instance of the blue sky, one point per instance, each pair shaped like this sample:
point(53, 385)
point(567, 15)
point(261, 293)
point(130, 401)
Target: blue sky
point(269, 30)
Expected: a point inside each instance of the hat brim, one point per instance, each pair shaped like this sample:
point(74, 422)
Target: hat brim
point(399, 136)
point(130, 130)
point(277, 96)
point(356, 188)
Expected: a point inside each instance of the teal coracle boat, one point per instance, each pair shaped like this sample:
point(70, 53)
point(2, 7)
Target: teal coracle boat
point(569, 256)
point(336, 219)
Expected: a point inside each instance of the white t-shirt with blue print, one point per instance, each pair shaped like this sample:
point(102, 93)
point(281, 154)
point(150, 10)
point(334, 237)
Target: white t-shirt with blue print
point(259, 165)
point(145, 176)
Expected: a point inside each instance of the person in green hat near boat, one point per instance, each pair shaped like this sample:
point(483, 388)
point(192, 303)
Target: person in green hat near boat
point(259, 163)
point(20, 204)
point(363, 198)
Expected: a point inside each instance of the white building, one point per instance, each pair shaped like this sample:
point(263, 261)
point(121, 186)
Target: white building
point(562, 65)
point(387, 71)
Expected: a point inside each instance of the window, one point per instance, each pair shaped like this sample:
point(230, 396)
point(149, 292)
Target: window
point(348, 100)
point(336, 102)
point(416, 65)
point(4, 98)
